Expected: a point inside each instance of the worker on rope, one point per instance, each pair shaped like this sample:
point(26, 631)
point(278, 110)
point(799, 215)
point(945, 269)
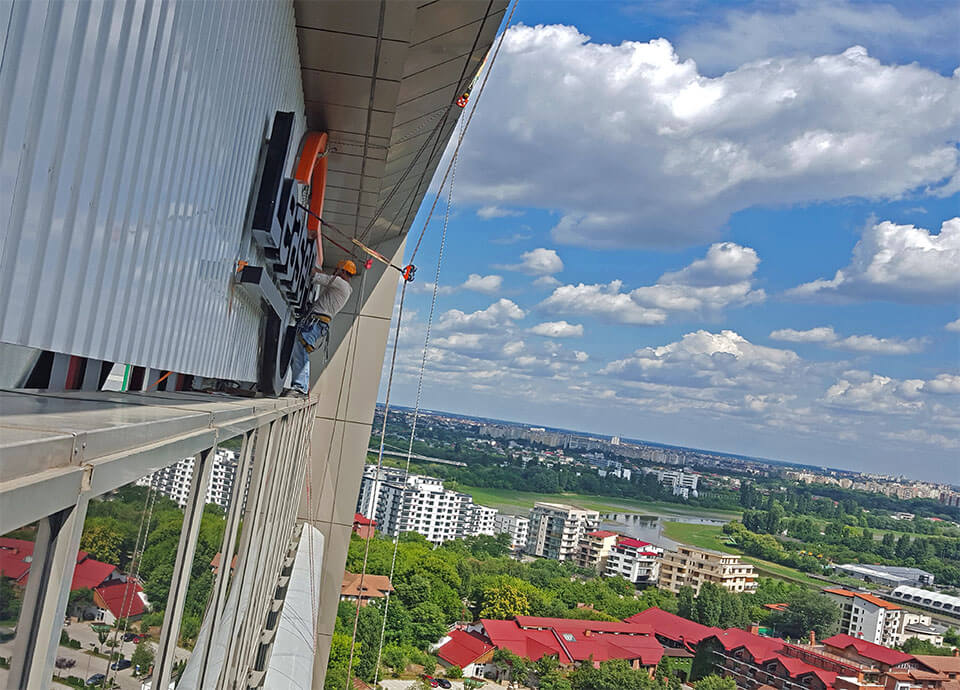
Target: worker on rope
point(328, 295)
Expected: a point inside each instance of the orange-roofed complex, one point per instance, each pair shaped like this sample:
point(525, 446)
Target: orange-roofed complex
point(371, 587)
point(866, 616)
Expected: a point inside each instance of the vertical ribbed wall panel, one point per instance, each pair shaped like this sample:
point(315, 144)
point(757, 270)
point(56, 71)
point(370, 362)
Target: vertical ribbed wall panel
point(129, 141)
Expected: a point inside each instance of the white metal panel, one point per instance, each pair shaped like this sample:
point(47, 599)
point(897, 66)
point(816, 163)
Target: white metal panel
point(129, 141)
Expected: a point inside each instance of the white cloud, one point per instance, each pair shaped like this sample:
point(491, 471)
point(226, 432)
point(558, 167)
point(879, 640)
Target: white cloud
point(855, 343)
point(868, 392)
point(896, 262)
point(487, 284)
point(488, 212)
point(603, 301)
point(546, 281)
point(673, 153)
point(499, 314)
point(512, 239)
point(723, 278)
point(953, 326)
point(815, 27)
point(558, 329)
point(538, 262)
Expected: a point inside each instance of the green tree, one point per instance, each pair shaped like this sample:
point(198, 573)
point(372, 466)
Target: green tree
point(715, 682)
point(708, 606)
point(142, 657)
point(394, 658)
point(103, 540)
point(504, 600)
point(806, 611)
point(612, 675)
point(914, 645)
point(454, 672)
point(9, 601)
point(685, 599)
point(80, 599)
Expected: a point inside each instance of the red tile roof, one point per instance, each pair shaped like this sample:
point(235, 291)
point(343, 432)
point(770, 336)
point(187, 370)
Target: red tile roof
point(865, 596)
point(122, 599)
point(759, 647)
point(868, 650)
point(575, 640)
point(463, 648)
point(630, 541)
point(672, 627)
point(13, 553)
point(87, 573)
point(359, 519)
point(90, 573)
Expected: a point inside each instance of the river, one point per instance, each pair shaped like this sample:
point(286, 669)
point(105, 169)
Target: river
point(649, 528)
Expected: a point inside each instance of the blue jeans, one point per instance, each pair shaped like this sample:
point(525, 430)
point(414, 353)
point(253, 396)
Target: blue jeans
point(315, 334)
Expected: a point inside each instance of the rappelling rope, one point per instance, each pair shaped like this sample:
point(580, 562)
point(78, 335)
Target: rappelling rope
point(383, 431)
point(456, 150)
point(135, 560)
point(416, 409)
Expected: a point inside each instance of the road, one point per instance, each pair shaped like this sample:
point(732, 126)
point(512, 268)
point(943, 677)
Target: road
point(87, 664)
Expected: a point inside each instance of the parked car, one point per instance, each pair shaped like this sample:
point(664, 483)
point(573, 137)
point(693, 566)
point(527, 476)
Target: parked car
point(120, 665)
point(95, 679)
point(434, 683)
point(444, 683)
point(130, 637)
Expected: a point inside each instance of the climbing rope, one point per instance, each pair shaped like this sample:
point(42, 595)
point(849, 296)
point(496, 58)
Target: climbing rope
point(416, 409)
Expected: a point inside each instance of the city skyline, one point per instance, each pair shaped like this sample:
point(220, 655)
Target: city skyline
point(751, 250)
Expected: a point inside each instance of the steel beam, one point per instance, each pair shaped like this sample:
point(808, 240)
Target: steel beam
point(176, 599)
point(45, 599)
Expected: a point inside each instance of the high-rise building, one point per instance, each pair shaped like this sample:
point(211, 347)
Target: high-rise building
point(481, 521)
point(689, 566)
point(517, 526)
point(419, 504)
point(556, 529)
point(637, 561)
point(866, 616)
point(174, 481)
point(594, 548)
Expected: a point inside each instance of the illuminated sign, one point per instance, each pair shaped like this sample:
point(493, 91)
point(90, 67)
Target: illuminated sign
point(290, 241)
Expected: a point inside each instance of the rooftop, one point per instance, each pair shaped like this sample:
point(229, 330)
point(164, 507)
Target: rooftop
point(463, 648)
point(864, 596)
point(868, 650)
point(374, 586)
point(672, 626)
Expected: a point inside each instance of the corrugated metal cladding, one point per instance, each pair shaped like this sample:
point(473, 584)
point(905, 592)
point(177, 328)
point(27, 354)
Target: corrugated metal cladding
point(129, 138)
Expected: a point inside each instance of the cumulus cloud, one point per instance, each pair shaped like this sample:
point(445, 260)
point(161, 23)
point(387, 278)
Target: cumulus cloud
point(674, 153)
point(488, 212)
point(537, 262)
point(805, 27)
point(894, 262)
point(868, 392)
point(855, 343)
point(546, 281)
point(487, 284)
point(558, 329)
point(953, 326)
point(501, 313)
point(723, 278)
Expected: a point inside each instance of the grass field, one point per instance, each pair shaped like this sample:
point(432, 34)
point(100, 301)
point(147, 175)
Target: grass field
point(712, 537)
point(507, 498)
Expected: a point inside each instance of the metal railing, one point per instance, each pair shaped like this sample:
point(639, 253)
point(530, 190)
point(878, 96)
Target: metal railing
point(61, 449)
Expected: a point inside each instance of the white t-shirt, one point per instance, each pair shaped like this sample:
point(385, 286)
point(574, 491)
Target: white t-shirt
point(331, 293)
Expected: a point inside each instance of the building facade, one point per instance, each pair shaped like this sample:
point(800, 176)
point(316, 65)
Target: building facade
point(517, 526)
point(594, 548)
point(481, 521)
point(866, 616)
point(689, 566)
point(174, 481)
point(635, 560)
point(556, 530)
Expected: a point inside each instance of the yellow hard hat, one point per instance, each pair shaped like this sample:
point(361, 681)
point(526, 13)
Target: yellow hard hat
point(348, 266)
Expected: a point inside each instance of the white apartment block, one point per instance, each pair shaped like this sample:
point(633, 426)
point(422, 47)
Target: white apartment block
point(867, 617)
point(691, 567)
point(420, 504)
point(482, 521)
point(174, 481)
point(682, 483)
point(517, 526)
point(556, 530)
point(635, 560)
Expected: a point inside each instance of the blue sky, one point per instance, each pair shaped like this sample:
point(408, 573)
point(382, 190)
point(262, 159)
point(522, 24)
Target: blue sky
point(730, 226)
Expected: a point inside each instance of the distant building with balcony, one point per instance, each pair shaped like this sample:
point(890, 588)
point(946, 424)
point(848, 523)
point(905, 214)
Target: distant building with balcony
point(866, 616)
point(594, 549)
point(556, 530)
point(637, 561)
point(689, 566)
point(174, 481)
point(481, 521)
point(517, 526)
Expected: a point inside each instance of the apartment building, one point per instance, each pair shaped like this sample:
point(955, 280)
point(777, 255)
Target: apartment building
point(681, 483)
point(419, 504)
point(637, 561)
point(594, 549)
point(689, 566)
point(174, 481)
point(481, 521)
point(517, 526)
point(556, 529)
point(865, 616)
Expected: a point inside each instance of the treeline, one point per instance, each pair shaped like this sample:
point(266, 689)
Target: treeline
point(464, 579)
point(800, 542)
